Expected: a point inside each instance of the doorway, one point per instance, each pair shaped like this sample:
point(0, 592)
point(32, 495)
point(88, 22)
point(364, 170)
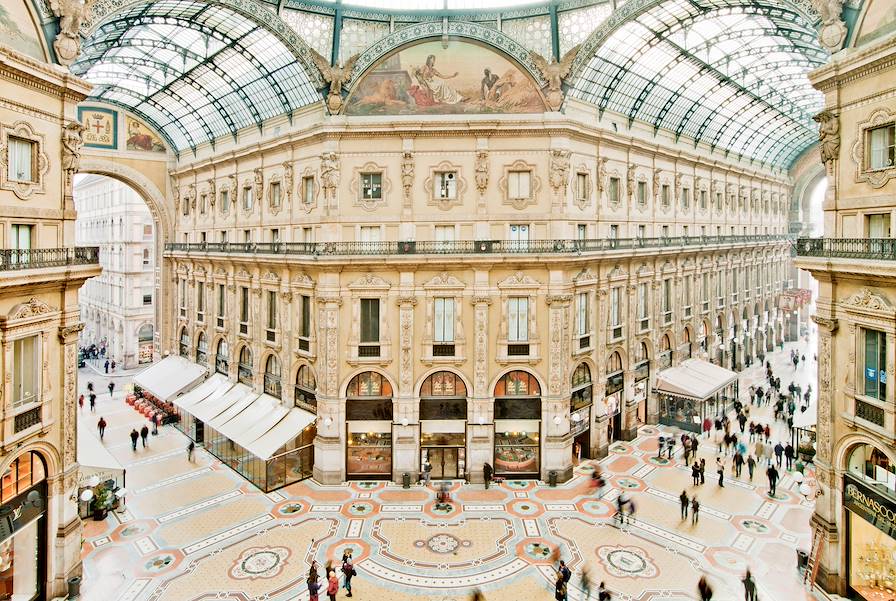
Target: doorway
point(447, 462)
point(199, 431)
point(581, 446)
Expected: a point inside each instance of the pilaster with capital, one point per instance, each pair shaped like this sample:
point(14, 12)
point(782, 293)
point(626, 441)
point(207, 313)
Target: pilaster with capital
point(329, 467)
point(406, 306)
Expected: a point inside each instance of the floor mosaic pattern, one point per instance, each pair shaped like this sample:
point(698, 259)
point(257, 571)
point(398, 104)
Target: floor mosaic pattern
point(197, 531)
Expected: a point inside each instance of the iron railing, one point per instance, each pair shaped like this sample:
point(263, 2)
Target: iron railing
point(467, 247)
point(35, 258)
point(883, 249)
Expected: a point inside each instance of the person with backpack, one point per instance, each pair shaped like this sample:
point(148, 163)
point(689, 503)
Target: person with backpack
point(348, 572)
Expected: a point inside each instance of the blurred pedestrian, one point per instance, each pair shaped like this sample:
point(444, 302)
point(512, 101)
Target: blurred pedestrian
point(190, 448)
point(111, 387)
point(101, 427)
point(134, 436)
point(144, 432)
point(704, 589)
point(685, 503)
point(749, 587)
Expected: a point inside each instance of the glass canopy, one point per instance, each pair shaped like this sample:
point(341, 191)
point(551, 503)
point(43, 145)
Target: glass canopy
point(727, 73)
point(195, 70)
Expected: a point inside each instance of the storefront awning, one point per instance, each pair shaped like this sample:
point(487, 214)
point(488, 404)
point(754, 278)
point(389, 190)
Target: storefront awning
point(694, 379)
point(254, 420)
point(170, 377)
point(205, 390)
point(292, 424)
point(96, 460)
point(213, 406)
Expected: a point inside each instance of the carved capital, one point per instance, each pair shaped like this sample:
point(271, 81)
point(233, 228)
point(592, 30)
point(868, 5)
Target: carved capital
point(559, 299)
point(830, 325)
point(404, 301)
point(481, 300)
point(67, 332)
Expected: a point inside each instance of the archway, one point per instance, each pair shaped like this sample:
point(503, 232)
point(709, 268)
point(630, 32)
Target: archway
point(517, 424)
point(580, 412)
point(368, 418)
point(443, 422)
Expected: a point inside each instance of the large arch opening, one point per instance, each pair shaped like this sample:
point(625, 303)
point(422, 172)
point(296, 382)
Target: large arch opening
point(443, 425)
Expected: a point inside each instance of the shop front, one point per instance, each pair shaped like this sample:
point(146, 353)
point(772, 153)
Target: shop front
point(517, 425)
point(368, 414)
point(870, 512)
point(613, 397)
point(580, 403)
point(23, 529)
point(443, 425)
point(693, 391)
point(642, 380)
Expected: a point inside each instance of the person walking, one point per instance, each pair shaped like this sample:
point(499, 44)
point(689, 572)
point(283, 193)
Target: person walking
point(90, 387)
point(144, 432)
point(695, 510)
point(738, 464)
point(772, 475)
point(585, 584)
point(720, 469)
point(112, 365)
point(695, 473)
point(332, 585)
point(703, 470)
point(707, 426)
point(134, 436)
point(751, 465)
point(427, 472)
point(106, 366)
point(685, 503)
point(111, 387)
point(779, 451)
point(477, 596)
point(704, 589)
point(190, 448)
point(686, 448)
point(313, 587)
point(559, 588)
point(155, 423)
point(92, 398)
point(567, 575)
point(749, 586)
point(602, 593)
point(487, 474)
point(768, 433)
point(789, 454)
point(81, 403)
point(101, 427)
point(348, 572)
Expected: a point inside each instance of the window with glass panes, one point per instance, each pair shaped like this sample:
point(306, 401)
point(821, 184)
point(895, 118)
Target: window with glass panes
point(667, 300)
point(225, 200)
point(518, 319)
point(613, 189)
point(882, 146)
point(200, 301)
point(304, 322)
point(20, 159)
point(875, 364)
point(686, 295)
point(665, 194)
point(616, 312)
point(581, 186)
point(443, 326)
point(643, 307)
point(518, 184)
point(370, 327)
point(371, 186)
point(642, 192)
point(222, 305)
point(244, 309)
point(272, 314)
point(25, 371)
point(307, 190)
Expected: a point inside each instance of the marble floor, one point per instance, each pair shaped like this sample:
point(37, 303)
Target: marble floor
point(196, 531)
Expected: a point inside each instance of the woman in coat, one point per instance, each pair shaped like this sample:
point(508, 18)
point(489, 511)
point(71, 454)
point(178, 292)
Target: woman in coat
point(332, 585)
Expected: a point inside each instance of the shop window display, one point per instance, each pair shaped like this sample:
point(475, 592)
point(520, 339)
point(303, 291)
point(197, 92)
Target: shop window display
point(22, 528)
point(369, 454)
point(517, 424)
point(872, 560)
point(516, 452)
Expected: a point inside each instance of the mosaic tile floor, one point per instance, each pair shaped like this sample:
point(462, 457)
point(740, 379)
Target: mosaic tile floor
point(198, 531)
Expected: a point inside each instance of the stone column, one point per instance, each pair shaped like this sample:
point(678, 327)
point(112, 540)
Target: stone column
point(480, 413)
point(599, 420)
point(629, 404)
point(287, 343)
point(827, 506)
point(405, 454)
point(256, 335)
point(557, 448)
point(329, 444)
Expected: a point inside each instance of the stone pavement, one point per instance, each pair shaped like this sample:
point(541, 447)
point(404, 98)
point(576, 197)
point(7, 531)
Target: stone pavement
point(198, 531)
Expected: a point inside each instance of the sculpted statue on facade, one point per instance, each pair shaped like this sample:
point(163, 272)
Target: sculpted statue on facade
point(72, 139)
point(559, 169)
point(630, 181)
point(212, 191)
point(329, 171)
point(68, 41)
point(407, 173)
point(602, 174)
point(259, 183)
point(832, 31)
point(336, 76)
point(656, 183)
point(481, 176)
point(828, 138)
point(288, 179)
point(555, 72)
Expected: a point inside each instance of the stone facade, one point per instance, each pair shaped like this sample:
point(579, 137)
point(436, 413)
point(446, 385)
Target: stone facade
point(857, 289)
point(117, 307)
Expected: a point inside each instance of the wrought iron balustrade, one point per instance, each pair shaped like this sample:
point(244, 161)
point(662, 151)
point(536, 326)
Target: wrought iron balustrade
point(466, 247)
point(883, 249)
point(35, 258)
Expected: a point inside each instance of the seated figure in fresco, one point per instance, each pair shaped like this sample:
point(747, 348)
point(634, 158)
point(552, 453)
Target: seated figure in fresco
point(435, 82)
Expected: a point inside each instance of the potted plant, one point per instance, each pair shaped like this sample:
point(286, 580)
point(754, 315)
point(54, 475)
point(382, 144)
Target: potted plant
point(806, 451)
point(101, 502)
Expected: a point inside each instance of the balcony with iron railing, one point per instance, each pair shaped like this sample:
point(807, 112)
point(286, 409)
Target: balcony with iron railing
point(562, 247)
point(15, 259)
point(881, 249)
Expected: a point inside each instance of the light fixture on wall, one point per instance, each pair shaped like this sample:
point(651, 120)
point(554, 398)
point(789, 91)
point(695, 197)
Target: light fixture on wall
point(404, 421)
point(556, 420)
point(328, 421)
point(481, 419)
point(576, 417)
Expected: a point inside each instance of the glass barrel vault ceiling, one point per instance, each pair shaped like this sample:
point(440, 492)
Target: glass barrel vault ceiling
point(728, 73)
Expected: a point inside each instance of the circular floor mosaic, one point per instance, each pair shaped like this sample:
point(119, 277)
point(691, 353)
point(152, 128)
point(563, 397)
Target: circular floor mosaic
point(360, 508)
point(259, 562)
point(442, 543)
point(627, 562)
point(627, 483)
point(538, 551)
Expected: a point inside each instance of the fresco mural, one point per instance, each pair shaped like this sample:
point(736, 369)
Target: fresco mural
point(12, 14)
point(141, 137)
point(432, 79)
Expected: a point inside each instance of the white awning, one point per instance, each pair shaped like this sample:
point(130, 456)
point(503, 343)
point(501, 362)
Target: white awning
point(694, 379)
point(235, 408)
point(258, 416)
point(203, 391)
point(212, 407)
point(170, 377)
point(96, 460)
point(292, 424)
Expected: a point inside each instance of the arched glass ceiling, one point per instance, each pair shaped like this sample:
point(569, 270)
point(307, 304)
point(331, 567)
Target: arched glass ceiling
point(195, 70)
point(728, 73)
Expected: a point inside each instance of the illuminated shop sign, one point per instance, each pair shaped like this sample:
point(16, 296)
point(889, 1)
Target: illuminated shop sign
point(872, 506)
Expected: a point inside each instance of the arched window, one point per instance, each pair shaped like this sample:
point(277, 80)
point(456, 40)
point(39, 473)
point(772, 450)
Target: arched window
point(144, 334)
point(865, 463)
point(665, 357)
point(184, 343)
point(443, 395)
point(244, 367)
point(582, 388)
point(686, 342)
point(306, 389)
point(614, 364)
point(202, 349)
point(369, 396)
point(23, 473)
point(272, 385)
point(517, 424)
point(517, 396)
point(145, 257)
point(704, 336)
point(642, 353)
point(222, 358)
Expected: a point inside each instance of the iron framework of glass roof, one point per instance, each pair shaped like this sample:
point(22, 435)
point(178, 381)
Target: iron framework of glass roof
point(195, 70)
point(727, 73)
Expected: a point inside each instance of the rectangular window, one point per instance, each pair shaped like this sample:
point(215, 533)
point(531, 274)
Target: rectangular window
point(307, 190)
point(225, 200)
point(642, 193)
point(248, 198)
point(616, 312)
point(519, 236)
point(875, 364)
point(272, 316)
point(613, 192)
point(642, 231)
point(147, 231)
point(147, 299)
point(200, 301)
point(203, 200)
point(643, 307)
point(304, 322)
point(223, 237)
point(20, 154)
point(275, 235)
point(370, 233)
point(444, 233)
point(518, 319)
point(882, 143)
point(25, 371)
point(247, 236)
point(686, 295)
point(445, 185)
point(614, 232)
point(878, 226)
point(582, 231)
point(702, 199)
point(244, 310)
point(371, 186)
point(667, 301)
point(518, 184)
point(307, 235)
point(443, 325)
point(665, 231)
point(582, 186)
point(685, 197)
point(705, 291)
point(183, 298)
point(370, 328)
point(582, 325)
point(275, 194)
point(203, 237)
point(665, 195)
point(21, 236)
point(718, 200)
point(185, 206)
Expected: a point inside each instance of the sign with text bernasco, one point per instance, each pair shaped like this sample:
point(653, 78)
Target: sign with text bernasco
point(870, 504)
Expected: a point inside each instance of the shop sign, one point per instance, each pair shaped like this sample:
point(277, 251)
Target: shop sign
point(16, 514)
point(872, 506)
point(577, 427)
